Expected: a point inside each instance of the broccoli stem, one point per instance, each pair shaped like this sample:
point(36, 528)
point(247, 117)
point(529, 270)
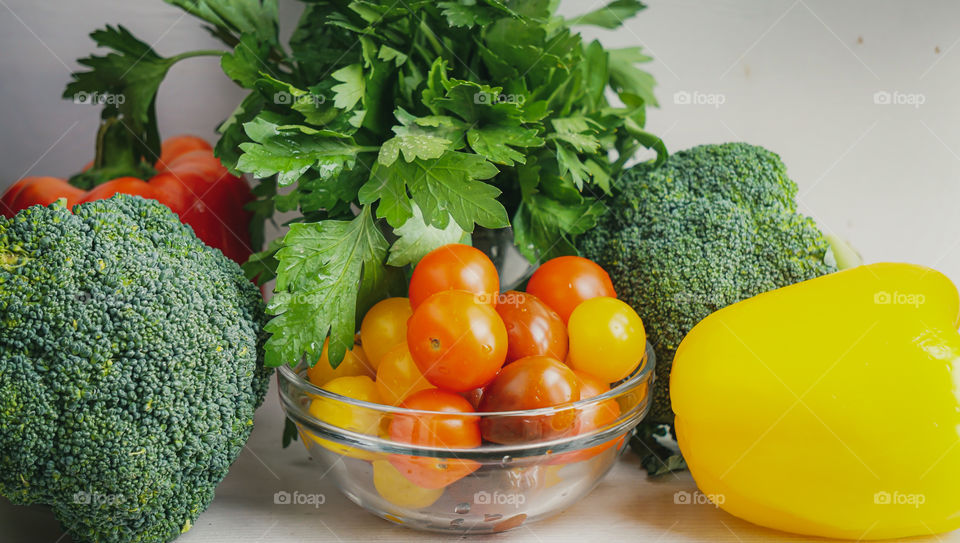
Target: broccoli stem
point(843, 253)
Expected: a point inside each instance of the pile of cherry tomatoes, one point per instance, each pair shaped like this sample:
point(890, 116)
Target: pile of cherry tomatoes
point(458, 345)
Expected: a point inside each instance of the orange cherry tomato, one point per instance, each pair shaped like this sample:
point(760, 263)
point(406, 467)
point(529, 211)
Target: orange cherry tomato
point(563, 282)
point(590, 418)
point(454, 267)
point(448, 428)
point(532, 327)
point(457, 342)
point(398, 376)
point(533, 382)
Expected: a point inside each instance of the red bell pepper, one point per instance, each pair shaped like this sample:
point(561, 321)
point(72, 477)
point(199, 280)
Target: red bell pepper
point(189, 180)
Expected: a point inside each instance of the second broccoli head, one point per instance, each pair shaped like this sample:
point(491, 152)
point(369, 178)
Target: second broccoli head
point(714, 225)
point(130, 367)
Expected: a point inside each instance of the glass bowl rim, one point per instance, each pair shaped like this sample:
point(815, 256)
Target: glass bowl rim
point(643, 376)
point(629, 383)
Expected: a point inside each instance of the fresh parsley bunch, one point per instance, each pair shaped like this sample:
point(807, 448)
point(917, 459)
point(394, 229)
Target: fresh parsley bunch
point(396, 126)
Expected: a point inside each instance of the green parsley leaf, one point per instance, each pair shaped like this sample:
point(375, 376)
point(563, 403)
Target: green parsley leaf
point(290, 433)
point(244, 64)
point(442, 188)
point(583, 143)
point(388, 53)
point(273, 157)
point(125, 81)
point(626, 77)
point(262, 266)
point(417, 238)
point(596, 72)
point(233, 18)
point(466, 14)
point(350, 91)
point(544, 228)
point(288, 151)
point(611, 16)
point(648, 140)
point(321, 268)
point(413, 146)
point(497, 142)
point(414, 141)
point(232, 133)
point(388, 185)
point(571, 165)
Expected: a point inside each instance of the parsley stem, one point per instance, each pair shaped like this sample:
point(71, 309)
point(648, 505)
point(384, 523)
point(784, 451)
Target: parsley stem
point(199, 53)
point(432, 38)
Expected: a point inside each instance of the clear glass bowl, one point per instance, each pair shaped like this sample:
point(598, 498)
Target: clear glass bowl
point(510, 485)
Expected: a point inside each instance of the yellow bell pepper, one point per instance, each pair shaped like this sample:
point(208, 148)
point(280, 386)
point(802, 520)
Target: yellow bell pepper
point(831, 407)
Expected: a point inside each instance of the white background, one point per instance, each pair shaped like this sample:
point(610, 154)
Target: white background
point(796, 76)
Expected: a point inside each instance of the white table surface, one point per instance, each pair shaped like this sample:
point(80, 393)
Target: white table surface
point(797, 76)
point(626, 506)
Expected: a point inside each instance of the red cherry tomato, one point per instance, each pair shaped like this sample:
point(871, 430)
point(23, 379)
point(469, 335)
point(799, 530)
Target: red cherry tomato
point(599, 414)
point(454, 267)
point(530, 383)
point(532, 327)
point(592, 417)
point(457, 342)
point(451, 430)
point(473, 396)
point(563, 282)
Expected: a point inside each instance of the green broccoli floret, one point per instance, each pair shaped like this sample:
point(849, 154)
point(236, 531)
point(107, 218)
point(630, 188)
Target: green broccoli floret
point(130, 367)
point(714, 225)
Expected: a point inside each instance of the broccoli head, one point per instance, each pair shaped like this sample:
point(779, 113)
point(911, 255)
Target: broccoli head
point(712, 226)
point(130, 367)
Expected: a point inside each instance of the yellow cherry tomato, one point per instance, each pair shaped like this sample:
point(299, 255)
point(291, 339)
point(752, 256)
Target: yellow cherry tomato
point(346, 416)
point(383, 327)
point(607, 339)
point(398, 490)
point(398, 376)
point(354, 364)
